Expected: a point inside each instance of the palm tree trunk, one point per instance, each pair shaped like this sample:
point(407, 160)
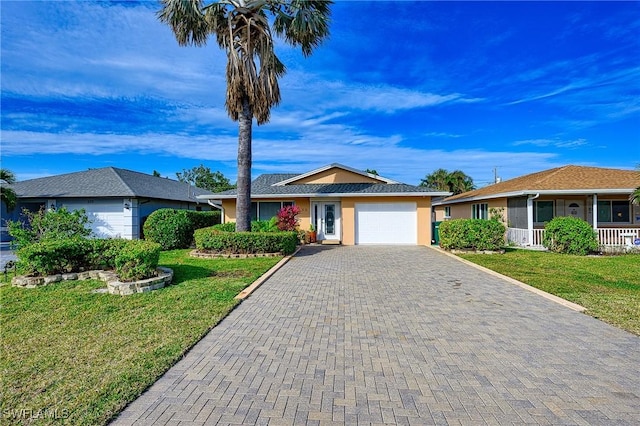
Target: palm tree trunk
point(243, 202)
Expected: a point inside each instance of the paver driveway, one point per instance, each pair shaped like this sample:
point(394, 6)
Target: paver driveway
point(398, 335)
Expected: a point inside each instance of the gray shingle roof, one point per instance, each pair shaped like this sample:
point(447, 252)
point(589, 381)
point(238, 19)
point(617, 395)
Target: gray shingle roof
point(107, 182)
point(263, 186)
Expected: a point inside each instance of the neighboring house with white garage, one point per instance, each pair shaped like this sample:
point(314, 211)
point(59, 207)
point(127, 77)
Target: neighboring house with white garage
point(117, 201)
point(345, 205)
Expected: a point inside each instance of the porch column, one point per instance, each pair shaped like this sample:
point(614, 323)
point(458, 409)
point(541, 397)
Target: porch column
point(530, 221)
point(595, 212)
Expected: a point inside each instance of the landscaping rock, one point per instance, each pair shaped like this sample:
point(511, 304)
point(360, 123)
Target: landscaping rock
point(164, 278)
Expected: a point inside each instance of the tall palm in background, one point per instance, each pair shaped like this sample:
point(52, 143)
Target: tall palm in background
point(439, 180)
point(443, 180)
point(7, 194)
point(635, 195)
point(459, 182)
point(244, 29)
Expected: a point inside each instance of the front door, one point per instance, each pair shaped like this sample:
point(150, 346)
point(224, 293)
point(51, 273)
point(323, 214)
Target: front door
point(327, 219)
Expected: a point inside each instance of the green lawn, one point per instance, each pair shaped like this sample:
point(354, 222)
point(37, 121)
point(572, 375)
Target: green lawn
point(73, 356)
point(608, 286)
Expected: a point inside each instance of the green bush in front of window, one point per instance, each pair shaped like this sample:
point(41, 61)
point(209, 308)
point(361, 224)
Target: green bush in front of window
point(570, 235)
point(472, 234)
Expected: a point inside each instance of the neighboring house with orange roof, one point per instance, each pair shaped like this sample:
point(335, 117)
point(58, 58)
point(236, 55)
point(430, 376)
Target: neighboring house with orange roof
point(597, 195)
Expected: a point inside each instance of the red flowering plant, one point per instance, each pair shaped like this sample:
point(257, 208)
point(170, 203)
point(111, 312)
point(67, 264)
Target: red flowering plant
point(287, 220)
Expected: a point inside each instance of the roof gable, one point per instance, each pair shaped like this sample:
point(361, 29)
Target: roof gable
point(566, 178)
point(334, 180)
point(107, 182)
point(335, 173)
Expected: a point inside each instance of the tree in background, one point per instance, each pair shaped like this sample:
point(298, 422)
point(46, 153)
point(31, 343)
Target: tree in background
point(156, 173)
point(245, 30)
point(443, 180)
point(635, 195)
point(7, 194)
point(372, 172)
point(204, 178)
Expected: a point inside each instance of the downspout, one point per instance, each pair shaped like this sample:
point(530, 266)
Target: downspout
point(219, 207)
point(530, 218)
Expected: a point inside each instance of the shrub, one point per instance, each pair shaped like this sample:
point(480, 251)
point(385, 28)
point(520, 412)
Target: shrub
point(103, 252)
point(224, 227)
point(270, 225)
point(170, 228)
point(44, 225)
point(256, 226)
point(214, 239)
point(474, 234)
point(137, 260)
point(173, 228)
point(51, 257)
point(570, 235)
point(287, 220)
point(132, 259)
point(203, 219)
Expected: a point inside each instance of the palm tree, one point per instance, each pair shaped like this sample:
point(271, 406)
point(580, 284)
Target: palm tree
point(244, 30)
point(635, 195)
point(7, 194)
point(443, 180)
point(439, 180)
point(459, 182)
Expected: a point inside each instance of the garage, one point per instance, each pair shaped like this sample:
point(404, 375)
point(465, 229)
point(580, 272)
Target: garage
point(106, 216)
point(386, 223)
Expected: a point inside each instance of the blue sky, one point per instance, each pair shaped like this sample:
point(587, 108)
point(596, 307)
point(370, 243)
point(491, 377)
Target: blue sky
point(400, 87)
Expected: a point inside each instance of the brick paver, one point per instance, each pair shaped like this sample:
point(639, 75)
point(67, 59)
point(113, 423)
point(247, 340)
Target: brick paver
point(398, 335)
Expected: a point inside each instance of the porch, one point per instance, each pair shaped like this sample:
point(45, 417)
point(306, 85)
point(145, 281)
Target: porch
point(608, 237)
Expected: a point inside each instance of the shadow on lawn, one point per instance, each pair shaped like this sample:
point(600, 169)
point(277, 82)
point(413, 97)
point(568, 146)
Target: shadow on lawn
point(184, 272)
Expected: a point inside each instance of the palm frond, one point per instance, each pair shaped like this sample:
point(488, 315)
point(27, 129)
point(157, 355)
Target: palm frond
point(8, 195)
point(187, 21)
point(8, 176)
point(303, 23)
point(243, 30)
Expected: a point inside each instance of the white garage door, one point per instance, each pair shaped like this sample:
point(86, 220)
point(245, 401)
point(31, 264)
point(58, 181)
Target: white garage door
point(386, 223)
point(107, 219)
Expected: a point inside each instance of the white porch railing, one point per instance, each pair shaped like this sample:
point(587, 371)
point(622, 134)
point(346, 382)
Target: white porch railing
point(606, 236)
point(617, 236)
point(518, 236)
point(538, 236)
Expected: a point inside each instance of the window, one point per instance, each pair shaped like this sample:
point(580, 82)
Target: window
point(447, 211)
point(480, 211)
point(543, 211)
point(610, 211)
point(265, 210)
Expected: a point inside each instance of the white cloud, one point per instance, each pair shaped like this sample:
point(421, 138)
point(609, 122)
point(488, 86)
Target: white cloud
point(557, 143)
point(307, 89)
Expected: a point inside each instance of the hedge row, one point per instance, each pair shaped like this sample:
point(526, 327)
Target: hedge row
point(473, 234)
point(131, 259)
point(220, 240)
point(256, 226)
point(173, 228)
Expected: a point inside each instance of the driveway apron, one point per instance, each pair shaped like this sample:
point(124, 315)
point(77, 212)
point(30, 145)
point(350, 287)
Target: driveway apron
point(398, 335)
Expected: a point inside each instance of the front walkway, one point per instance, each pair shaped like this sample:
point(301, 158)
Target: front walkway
point(398, 335)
